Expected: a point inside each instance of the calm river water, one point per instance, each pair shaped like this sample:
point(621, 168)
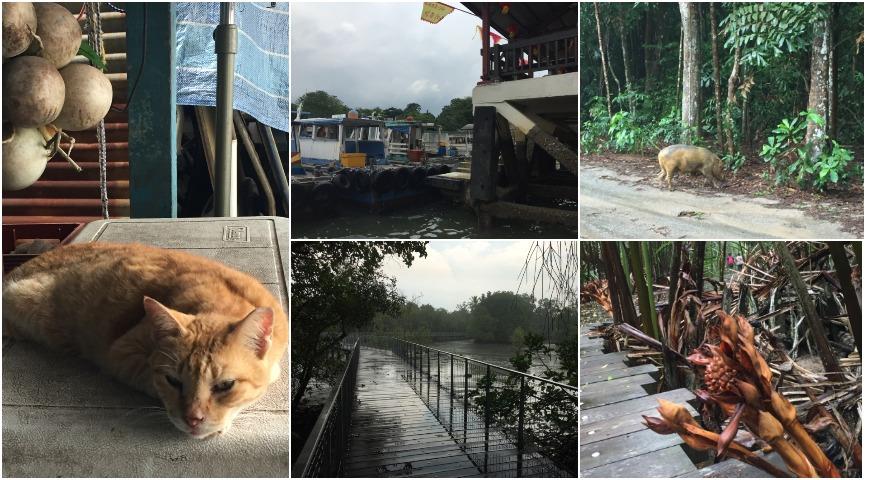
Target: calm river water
point(495, 353)
point(440, 219)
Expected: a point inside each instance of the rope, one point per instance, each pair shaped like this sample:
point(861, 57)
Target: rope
point(95, 38)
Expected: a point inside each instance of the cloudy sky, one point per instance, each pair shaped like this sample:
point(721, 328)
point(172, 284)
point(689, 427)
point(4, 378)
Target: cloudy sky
point(454, 271)
point(382, 54)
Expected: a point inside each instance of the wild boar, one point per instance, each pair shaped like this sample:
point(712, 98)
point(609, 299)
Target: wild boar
point(690, 159)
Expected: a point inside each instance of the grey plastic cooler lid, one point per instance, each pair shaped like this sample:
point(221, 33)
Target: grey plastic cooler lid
point(62, 417)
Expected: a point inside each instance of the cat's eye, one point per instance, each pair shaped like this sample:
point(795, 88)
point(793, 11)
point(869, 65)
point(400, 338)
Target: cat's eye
point(224, 386)
point(174, 382)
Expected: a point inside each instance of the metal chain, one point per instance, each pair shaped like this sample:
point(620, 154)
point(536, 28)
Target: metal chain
point(95, 38)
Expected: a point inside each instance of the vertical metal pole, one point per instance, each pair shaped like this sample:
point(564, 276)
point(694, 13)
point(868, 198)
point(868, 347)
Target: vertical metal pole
point(421, 371)
point(451, 394)
point(486, 422)
point(428, 374)
point(484, 34)
point(520, 442)
point(438, 387)
point(226, 39)
point(465, 406)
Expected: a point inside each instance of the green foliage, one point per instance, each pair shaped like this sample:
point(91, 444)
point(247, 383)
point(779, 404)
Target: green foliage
point(87, 51)
point(320, 104)
point(769, 30)
point(625, 131)
point(338, 287)
point(549, 411)
point(459, 113)
point(790, 158)
point(734, 162)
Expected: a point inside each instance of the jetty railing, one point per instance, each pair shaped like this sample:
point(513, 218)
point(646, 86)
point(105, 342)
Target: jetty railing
point(555, 52)
point(323, 453)
point(509, 423)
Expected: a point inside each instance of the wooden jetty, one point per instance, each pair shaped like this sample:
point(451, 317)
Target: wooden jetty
point(614, 442)
point(394, 434)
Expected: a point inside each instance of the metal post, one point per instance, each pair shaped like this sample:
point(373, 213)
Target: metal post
point(522, 414)
point(226, 39)
point(152, 110)
point(451, 394)
point(428, 375)
point(465, 407)
point(485, 39)
point(486, 422)
point(421, 370)
point(438, 387)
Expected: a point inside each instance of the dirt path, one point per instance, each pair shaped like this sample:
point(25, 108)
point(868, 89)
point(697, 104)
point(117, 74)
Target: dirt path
point(614, 205)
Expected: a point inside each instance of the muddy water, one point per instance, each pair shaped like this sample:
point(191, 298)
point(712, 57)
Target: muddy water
point(440, 219)
point(495, 353)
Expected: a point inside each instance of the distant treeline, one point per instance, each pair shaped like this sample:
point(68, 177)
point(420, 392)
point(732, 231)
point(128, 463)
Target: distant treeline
point(494, 317)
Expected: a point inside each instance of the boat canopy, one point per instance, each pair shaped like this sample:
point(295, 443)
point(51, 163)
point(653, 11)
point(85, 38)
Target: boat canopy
point(347, 122)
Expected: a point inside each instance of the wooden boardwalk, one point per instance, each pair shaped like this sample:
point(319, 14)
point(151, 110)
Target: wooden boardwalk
point(613, 396)
point(393, 433)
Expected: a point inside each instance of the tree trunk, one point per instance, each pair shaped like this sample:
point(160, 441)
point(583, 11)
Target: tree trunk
point(819, 88)
point(676, 262)
point(714, 41)
point(609, 271)
point(649, 61)
point(833, 125)
point(650, 280)
point(832, 366)
point(691, 70)
point(636, 260)
point(625, 60)
point(623, 294)
point(698, 278)
point(732, 101)
point(603, 61)
point(844, 275)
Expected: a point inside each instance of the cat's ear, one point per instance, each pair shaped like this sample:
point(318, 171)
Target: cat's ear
point(165, 324)
point(255, 331)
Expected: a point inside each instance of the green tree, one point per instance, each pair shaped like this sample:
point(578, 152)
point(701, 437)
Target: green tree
point(320, 104)
point(459, 113)
point(412, 109)
point(338, 287)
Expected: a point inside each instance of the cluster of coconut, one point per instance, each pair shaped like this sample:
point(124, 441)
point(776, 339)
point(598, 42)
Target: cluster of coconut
point(43, 93)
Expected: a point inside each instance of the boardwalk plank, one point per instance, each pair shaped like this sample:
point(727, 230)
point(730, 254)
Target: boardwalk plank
point(629, 406)
point(606, 375)
point(736, 469)
point(592, 361)
point(665, 463)
point(614, 427)
point(623, 447)
point(605, 393)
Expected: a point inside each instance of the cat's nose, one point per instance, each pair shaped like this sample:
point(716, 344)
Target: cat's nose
point(194, 419)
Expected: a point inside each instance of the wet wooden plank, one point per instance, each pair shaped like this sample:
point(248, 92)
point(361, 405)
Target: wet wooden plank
point(614, 427)
point(736, 469)
point(665, 463)
point(607, 375)
point(623, 447)
point(621, 389)
point(394, 432)
point(593, 361)
point(629, 406)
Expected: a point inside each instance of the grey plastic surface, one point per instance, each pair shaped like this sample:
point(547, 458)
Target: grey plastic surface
point(62, 417)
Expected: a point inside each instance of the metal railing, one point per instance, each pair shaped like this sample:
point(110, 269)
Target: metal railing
point(555, 52)
point(323, 453)
point(509, 423)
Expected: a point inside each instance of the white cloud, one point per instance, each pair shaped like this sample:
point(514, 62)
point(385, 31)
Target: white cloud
point(454, 271)
point(390, 58)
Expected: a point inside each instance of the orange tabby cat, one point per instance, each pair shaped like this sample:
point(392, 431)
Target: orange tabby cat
point(205, 339)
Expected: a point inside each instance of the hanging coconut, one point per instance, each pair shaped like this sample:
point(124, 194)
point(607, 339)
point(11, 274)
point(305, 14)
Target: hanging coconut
point(33, 92)
point(88, 97)
point(60, 33)
point(24, 158)
point(19, 26)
